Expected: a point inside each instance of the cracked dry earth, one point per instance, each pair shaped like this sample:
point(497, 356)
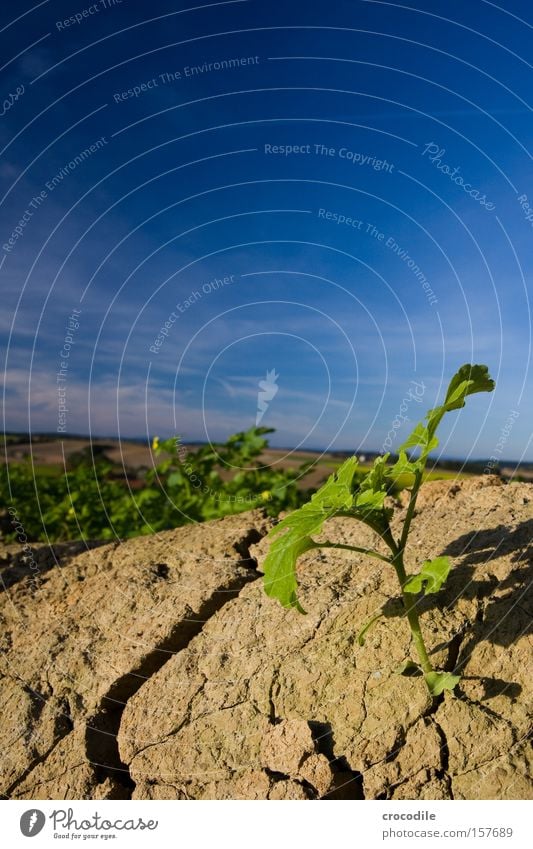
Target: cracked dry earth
point(158, 669)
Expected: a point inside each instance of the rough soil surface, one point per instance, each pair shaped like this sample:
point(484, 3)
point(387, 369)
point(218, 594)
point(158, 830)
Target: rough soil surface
point(79, 639)
point(158, 669)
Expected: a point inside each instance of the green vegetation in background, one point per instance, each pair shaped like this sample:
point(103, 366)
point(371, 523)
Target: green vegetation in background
point(89, 501)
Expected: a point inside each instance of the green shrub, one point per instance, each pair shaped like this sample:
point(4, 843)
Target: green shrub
point(89, 501)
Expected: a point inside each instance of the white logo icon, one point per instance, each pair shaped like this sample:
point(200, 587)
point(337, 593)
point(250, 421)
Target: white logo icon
point(268, 389)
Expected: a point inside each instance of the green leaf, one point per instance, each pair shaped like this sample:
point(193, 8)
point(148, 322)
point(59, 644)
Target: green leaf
point(368, 503)
point(374, 480)
point(146, 495)
point(362, 633)
point(336, 492)
point(420, 437)
point(175, 479)
point(248, 444)
point(402, 474)
point(430, 578)
point(468, 380)
point(439, 681)
point(403, 466)
point(280, 564)
point(368, 500)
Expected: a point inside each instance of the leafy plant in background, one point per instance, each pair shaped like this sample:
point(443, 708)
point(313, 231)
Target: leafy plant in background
point(92, 499)
point(53, 505)
point(344, 494)
point(217, 480)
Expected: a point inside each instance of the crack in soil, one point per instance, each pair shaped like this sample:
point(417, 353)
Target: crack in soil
point(444, 756)
point(347, 783)
point(493, 715)
point(271, 704)
point(310, 790)
point(102, 728)
point(186, 720)
point(242, 547)
point(454, 648)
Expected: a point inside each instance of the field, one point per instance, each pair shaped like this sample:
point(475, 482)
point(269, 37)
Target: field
point(77, 488)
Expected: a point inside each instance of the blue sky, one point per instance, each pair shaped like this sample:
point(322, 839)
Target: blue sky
point(337, 192)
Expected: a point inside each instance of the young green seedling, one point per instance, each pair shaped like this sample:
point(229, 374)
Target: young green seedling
point(347, 494)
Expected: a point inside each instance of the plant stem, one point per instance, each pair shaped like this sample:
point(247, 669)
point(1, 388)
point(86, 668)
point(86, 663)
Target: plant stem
point(410, 601)
point(355, 548)
point(411, 508)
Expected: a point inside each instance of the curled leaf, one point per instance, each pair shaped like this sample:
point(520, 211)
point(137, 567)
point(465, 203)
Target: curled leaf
point(468, 380)
point(362, 633)
point(293, 534)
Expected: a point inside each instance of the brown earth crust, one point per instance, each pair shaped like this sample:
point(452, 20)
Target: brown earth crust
point(158, 669)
